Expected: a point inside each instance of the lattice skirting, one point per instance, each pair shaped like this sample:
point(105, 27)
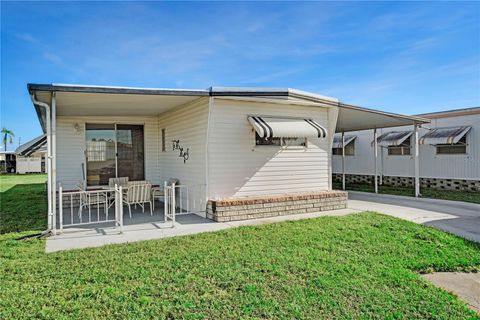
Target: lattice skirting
point(433, 183)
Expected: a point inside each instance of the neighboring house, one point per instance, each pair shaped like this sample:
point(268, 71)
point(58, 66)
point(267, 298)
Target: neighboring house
point(449, 153)
point(8, 161)
point(246, 146)
point(31, 155)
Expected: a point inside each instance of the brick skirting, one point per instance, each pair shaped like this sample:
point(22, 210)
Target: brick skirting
point(234, 209)
point(431, 183)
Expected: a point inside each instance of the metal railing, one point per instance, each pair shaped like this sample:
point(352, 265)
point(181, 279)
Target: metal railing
point(85, 207)
point(183, 199)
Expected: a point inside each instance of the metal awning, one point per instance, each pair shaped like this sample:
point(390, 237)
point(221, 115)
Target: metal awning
point(268, 127)
point(337, 140)
point(448, 135)
point(32, 146)
point(393, 138)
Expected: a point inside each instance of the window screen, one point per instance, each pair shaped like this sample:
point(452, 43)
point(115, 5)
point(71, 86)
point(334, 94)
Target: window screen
point(457, 148)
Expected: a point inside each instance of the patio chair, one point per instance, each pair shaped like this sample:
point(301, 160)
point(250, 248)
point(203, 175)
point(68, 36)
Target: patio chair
point(87, 201)
point(138, 194)
point(159, 192)
point(121, 182)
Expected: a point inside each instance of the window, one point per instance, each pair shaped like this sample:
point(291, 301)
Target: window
point(349, 150)
point(285, 142)
point(401, 150)
point(457, 148)
point(114, 150)
point(164, 148)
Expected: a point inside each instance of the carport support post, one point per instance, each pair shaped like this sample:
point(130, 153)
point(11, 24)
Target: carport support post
point(343, 160)
point(417, 161)
point(53, 165)
point(375, 152)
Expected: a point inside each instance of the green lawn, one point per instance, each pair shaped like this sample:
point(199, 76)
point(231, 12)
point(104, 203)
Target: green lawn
point(467, 196)
point(357, 266)
point(23, 203)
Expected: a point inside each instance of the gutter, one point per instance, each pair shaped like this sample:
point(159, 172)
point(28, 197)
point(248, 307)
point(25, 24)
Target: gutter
point(49, 158)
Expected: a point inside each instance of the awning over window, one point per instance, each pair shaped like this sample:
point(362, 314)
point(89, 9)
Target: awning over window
point(337, 140)
point(267, 127)
point(393, 138)
point(449, 135)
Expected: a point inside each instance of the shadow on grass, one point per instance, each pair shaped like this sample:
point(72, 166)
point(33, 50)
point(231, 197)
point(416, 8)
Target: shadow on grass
point(23, 207)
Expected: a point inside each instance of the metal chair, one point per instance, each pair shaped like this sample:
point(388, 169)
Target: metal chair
point(87, 201)
point(138, 193)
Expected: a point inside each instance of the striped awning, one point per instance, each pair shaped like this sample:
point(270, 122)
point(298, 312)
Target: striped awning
point(448, 135)
point(393, 138)
point(337, 140)
point(268, 127)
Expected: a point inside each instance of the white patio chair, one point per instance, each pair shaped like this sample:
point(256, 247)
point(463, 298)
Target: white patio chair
point(88, 200)
point(138, 194)
point(159, 192)
point(121, 182)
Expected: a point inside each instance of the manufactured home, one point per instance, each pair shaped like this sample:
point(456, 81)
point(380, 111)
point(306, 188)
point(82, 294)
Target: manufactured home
point(449, 153)
point(31, 155)
point(223, 153)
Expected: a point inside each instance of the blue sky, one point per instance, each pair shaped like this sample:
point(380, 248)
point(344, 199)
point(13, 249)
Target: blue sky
point(400, 57)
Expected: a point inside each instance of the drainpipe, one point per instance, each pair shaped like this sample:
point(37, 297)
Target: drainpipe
point(49, 159)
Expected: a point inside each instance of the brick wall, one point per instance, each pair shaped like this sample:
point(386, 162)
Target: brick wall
point(235, 209)
point(431, 183)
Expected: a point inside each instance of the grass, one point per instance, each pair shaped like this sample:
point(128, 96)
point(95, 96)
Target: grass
point(23, 203)
point(467, 196)
point(357, 266)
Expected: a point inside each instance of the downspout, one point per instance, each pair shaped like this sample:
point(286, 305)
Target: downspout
point(49, 159)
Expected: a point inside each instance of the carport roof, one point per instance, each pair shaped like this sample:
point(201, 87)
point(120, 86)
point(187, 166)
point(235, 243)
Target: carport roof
point(350, 117)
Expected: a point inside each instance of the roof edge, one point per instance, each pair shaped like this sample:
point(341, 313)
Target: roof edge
point(388, 114)
point(114, 90)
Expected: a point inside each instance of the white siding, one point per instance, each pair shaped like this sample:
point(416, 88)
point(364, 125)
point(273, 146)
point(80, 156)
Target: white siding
point(188, 124)
point(239, 168)
point(431, 165)
point(29, 164)
point(71, 146)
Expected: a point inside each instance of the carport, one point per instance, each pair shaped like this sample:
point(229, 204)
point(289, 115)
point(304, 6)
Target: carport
point(354, 118)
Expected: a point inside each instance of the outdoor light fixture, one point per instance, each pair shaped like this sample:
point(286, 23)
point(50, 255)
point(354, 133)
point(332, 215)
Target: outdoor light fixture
point(77, 128)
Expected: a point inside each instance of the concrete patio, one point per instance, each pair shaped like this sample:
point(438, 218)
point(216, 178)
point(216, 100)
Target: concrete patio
point(142, 226)
point(459, 218)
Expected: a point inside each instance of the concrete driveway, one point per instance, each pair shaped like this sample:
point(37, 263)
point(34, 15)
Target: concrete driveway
point(460, 218)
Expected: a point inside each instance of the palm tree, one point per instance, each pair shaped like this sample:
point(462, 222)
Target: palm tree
point(7, 135)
